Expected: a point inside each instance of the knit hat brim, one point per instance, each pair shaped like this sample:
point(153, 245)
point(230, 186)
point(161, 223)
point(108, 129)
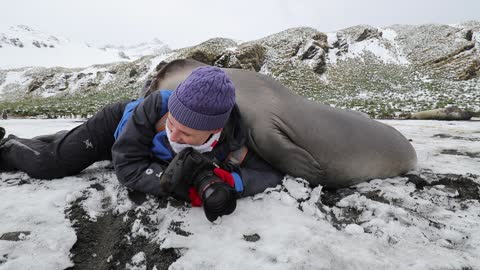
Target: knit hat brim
point(194, 120)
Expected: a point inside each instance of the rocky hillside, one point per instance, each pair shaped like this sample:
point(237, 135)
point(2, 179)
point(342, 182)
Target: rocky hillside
point(386, 72)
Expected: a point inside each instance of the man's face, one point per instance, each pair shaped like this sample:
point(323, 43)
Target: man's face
point(185, 135)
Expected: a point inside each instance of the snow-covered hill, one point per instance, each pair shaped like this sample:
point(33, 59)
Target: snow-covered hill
point(22, 46)
point(427, 219)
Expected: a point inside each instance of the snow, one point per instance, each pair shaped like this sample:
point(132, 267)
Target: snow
point(137, 262)
point(47, 94)
point(294, 228)
point(476, 37)
point(354, 229)
point(232, 49)
point(153, 64)
point(385, 49)
point(12, 77)
point(37, 208)
point(429, 147)
point(28, 128)
point(154, 47)
point(57, 51)
point(389, 34)
point(377, 49)
point(68, 55)
point(332, 52)
point(331, 38)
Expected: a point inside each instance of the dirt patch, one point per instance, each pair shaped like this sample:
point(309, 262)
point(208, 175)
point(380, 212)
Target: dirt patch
point(467, 188)
point(330, 196)
point(14, 236)
point(375, 195)
point(465, 185)
point(175, 226)
point(458, 153)
point(3, 259)
point(418, 181)
point(251, 237)
point(443, 135)
point(347, 215)
point(107, 242)
point(17, 180)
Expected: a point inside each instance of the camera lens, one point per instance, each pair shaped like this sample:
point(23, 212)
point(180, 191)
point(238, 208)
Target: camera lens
point(217, 196)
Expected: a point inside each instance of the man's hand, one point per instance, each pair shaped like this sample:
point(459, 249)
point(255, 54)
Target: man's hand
point(193, 177)
point(178, 177)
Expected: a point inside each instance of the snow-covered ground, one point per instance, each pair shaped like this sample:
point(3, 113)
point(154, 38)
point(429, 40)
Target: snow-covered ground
point(428, 219)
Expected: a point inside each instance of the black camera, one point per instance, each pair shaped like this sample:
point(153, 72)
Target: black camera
point(188, 168)
point(218, 197)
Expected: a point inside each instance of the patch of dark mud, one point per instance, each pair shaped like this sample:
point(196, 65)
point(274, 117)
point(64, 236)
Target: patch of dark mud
point(97, 186)
point(3, 259)
point(458, 153)
point(106, 243)
point(17, 181)
point(349, 215)
point(467, 188)
point(375, 195)
point(443, 135)
point(137, 197)
point(251, 237)
point(23, 182)
point(330, 196)
point(175, 226)
point(14, 236)
point(418, 181)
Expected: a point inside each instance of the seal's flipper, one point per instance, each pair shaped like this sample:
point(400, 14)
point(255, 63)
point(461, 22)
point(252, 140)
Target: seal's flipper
point(278, 145)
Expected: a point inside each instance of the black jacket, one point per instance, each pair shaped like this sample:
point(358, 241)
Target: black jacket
point(139, 169)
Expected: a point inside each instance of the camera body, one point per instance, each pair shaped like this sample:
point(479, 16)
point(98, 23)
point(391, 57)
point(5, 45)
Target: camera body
point(191, 168)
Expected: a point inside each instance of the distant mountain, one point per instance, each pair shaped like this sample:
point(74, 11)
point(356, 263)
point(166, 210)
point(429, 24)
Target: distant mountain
point(154, 47)
point(22, 46)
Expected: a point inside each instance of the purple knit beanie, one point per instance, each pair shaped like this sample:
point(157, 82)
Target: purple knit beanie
point(204, 100)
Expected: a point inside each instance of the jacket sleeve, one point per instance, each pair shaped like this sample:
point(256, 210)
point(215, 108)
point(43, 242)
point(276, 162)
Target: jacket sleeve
point(135, 165)
point(257, 175)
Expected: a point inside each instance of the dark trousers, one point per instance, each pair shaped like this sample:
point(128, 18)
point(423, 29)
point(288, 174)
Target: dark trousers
point(66, 152)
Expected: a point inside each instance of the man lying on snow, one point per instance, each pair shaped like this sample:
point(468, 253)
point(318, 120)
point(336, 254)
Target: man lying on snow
point(189, 143)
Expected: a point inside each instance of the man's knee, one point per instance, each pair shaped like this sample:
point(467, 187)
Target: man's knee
point(46, 169)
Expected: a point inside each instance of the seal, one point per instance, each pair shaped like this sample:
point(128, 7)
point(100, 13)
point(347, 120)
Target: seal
point(324, 145)
point(448, 113)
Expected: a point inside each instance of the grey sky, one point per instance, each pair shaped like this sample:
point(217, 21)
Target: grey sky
point(181, 23)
